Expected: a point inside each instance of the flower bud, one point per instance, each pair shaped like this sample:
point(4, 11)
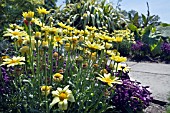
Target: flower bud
point(85, 65)
point(37, 35)
point(57, 77)
point(45, 45)
point(61, 71)
point(24, 50)
point(103, 71)
point(55, 55)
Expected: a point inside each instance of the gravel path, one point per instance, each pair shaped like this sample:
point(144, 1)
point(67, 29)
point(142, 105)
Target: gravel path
point(155, 108)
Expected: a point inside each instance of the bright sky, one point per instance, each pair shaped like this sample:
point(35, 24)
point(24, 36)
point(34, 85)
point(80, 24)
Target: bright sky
point(157, 7)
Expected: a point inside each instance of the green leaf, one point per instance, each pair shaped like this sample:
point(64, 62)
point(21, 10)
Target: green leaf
point(132, 27)
point(153, 29)
point(144, 19)
point(168, 109)
point(97, 19)
point(153, 47)
point(92, 8)
point(145, 35)
point(84, 8)
point(135, 19)
point(93, 19)
point(156, 48)
point(88, 16)
point(103, 3)
point(101, 10)
point(151, 17)
point(75, 17)
point(164, 24)
point(130, 16)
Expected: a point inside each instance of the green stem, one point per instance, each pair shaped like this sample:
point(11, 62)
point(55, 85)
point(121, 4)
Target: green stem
point(16, 47)
point(50, 59)
point(38, 68)
point(67, 65)
point(101, 57)
point(117, 66)
point(96, 103)
point(31, 57)
point(45, 72)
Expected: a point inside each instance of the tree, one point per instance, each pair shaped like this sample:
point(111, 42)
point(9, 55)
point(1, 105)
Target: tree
point(11, 10)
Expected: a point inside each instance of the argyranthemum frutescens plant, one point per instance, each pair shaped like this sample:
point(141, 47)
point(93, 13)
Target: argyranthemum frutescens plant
point(60, 69)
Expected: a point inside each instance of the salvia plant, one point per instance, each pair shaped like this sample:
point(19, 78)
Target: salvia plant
point(165, 47)
point(64, 69)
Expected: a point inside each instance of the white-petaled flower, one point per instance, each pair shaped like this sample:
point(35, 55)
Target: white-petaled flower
point(62, 96)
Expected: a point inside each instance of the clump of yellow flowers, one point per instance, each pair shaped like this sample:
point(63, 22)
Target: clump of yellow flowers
point(67, 57)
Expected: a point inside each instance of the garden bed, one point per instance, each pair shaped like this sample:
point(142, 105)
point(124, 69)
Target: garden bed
point(52, 64)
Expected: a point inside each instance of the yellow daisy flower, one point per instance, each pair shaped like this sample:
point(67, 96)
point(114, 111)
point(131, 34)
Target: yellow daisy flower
point(69, 28)
point(42, 11)
point(107, 45)
point(94, 46)
point(91, 28)
point(118, 39)
point(28, 15)
point(106, 38)
point(4, 57)
point(13, 61)
point(45, 28)
point(113, 52)
point(107, 78)
point(118, 58)
point(37, 22)
point(57, 38)
point(14, 33)
point(15, 26)
point(61, 25)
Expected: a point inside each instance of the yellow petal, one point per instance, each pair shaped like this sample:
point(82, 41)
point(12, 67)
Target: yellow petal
point(110, 84)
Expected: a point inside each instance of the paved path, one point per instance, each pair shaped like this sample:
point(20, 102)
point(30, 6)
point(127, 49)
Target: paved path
point(155, 75)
